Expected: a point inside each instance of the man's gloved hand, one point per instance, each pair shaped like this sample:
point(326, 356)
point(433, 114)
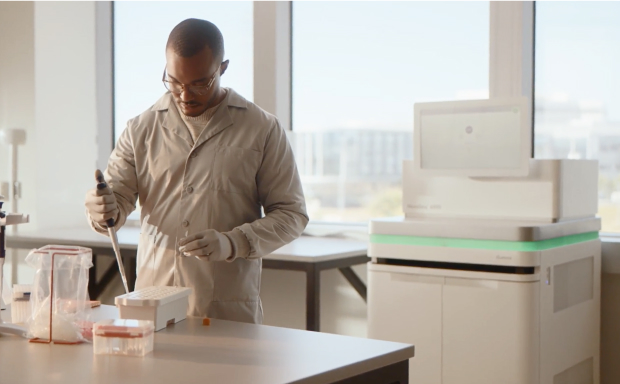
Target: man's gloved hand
point(101, 205)
point(210, 245)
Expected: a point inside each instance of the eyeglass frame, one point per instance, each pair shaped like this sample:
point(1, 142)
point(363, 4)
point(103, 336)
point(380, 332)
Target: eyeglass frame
point(189, 87)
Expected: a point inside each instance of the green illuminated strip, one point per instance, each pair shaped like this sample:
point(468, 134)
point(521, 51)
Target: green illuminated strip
point(499, 245)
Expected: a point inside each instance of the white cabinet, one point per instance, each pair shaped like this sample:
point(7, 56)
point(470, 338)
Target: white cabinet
point(475, 327)
point(465, 331)
point(490, 331)
point(396, 299)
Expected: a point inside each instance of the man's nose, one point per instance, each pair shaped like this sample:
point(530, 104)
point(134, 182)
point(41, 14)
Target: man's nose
point(185, 95)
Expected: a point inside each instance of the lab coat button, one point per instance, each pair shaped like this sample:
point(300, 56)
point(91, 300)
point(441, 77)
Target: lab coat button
point(185, 223)
point(192, 155)
point(190, 189)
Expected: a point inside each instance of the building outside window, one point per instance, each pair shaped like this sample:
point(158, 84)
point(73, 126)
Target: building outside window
point(577, 103)
point(358, 68)
point(358, 72)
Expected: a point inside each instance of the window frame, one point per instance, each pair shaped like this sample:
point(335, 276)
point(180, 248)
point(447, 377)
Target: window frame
point(104, 78)
point(511, 66)
point(512, 41)
point(511, 56)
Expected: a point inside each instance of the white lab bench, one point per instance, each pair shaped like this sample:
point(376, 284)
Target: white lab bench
point(307, 254)
point(224, 352)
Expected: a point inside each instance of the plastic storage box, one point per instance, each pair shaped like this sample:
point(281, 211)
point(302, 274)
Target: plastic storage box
point(123, 337)
point(161, 305)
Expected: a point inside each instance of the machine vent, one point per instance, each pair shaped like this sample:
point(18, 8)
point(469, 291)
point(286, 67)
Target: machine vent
point(582, 373)
point(460, 266)
point(574, 283)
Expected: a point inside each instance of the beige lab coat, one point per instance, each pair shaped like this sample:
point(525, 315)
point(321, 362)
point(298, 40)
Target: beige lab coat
point(241, 161)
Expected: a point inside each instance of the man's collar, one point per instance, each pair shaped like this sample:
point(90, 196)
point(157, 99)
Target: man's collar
point(232, 99)
point(163, 103)
point(235, 99)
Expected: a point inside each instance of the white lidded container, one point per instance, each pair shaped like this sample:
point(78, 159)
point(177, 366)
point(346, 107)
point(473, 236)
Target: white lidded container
point(161, 305)
point(123, 337)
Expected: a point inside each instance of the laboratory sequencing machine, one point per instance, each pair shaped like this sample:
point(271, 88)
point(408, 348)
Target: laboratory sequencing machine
point(493, 273)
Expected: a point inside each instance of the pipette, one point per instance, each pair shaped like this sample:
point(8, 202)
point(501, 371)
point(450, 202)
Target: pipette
point(101, 184)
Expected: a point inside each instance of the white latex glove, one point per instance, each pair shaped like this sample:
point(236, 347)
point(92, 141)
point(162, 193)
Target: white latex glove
point(209, 245)
point(101, 205)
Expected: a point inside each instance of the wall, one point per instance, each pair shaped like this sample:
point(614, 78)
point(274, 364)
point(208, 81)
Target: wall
point(51, 97)
point(47, 87)
point(66, 113)
point(17, 107)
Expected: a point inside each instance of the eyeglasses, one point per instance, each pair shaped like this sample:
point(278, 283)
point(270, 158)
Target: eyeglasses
point(176, 87)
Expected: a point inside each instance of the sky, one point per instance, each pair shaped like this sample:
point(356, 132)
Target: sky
point(365, 63)
point(350, 69)
point(141, 31)
point(578, 52)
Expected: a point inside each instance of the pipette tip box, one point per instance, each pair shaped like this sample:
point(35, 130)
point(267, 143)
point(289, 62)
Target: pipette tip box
point(161, 305)
point(123, 337)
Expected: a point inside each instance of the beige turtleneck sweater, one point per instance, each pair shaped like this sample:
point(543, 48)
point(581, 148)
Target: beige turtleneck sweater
point(197, 124)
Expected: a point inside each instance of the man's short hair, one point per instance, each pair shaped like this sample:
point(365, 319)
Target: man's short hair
point(191, 36)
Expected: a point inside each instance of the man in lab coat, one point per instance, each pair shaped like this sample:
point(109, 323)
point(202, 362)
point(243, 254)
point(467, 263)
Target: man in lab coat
point(203, 161)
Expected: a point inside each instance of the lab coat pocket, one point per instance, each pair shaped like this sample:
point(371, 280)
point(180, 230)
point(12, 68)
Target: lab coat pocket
point(235, 169)
point(237, 281)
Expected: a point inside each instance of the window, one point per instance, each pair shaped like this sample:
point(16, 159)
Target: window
point(141, 31)
point(577, 110)
point(358, 68)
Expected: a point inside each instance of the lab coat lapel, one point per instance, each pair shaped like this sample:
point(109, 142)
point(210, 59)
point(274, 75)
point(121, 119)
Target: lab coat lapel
point(172, 120)
point(220, 121)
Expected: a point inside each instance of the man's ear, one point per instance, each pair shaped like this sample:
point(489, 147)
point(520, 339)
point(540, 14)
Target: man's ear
point(223, 67)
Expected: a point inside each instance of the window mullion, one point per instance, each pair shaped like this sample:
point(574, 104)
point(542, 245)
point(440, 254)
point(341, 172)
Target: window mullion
point(511, 56)
point(104, 80)
point(272, 58)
